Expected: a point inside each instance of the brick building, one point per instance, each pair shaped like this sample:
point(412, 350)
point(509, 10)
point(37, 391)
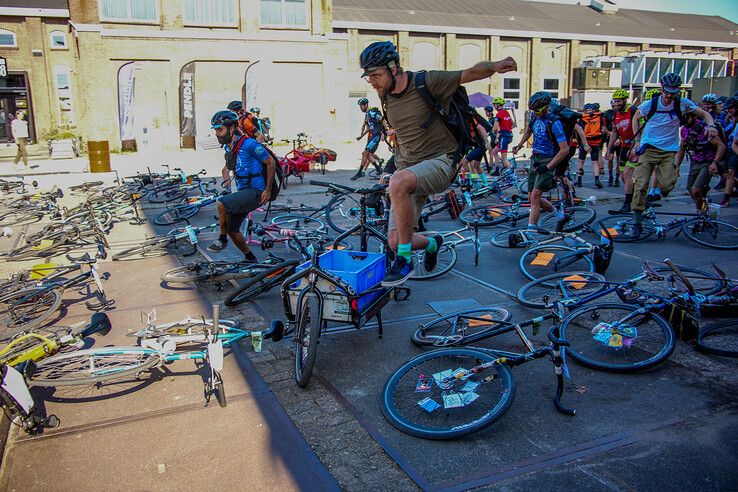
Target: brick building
point(154, 71)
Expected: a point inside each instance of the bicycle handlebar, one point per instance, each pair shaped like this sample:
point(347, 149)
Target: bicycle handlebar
point(679, 274)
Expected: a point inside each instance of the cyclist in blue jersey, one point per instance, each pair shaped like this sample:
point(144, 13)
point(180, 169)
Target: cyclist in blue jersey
point(252, 169)
point(375, 125)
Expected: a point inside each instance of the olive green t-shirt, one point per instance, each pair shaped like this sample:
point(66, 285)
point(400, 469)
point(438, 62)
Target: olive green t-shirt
point(408, 110)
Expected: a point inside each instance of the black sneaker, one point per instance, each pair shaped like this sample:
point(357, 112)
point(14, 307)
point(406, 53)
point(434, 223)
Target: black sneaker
point(356, 176)
point(637, 230)
point(217, 246)
point(598, 184)
point(578, 184)
point(625, 209)
point(431, 259)
point(250, 258)
point(609, 181)
point(400, 271)
point(562, 222)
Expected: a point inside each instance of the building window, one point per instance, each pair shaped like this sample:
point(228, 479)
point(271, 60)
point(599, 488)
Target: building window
point(58, 40)
point(284, 13)
point(552, 86)
point(210, 12)
point(129, 10)
point(64, 94)
point(7, 38)
point(511, 91)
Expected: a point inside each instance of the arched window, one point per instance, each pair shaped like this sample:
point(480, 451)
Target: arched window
point(58, 39)
point(7, 38)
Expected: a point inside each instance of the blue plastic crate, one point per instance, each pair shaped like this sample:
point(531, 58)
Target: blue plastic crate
point(360, 270)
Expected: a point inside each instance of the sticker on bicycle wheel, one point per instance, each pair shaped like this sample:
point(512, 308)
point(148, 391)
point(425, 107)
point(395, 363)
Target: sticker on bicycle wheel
point(542, 259)
point(424, 384)
point(460, 373)
point(439, 378)
point(616, 340)
point(628, 331)
point(428, 404)
point(191, 235)
point(256, 338)
point(494, 212)
point(452, 400)
point(469, 386)
point(612, 230)
point(485, 320)
point(627, 342)
point(468, 397)
point(576, 281)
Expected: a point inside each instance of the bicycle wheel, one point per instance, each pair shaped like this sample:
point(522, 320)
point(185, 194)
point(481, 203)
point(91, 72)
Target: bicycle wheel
point(26, 309)
point(490, 215)
point(93, 366)
point(620, 228)
point(714, 234)
point(580, 216)
point(39, 248)
point(543, 292)
point(261, 283)
point(86, 186)
point(422, 398)
point(459, 328)
point(306, 339)
point(703, 282)
point(446, 260)
point(719, 339)
point(185, 327)
point(165, 195)
point(617, 337)
point(20, 217)
point(151, 247)
point(530, 237)
point(549, 259)
point(197, 272)
point(175, 215)
point(299, 223)
point(343, 212)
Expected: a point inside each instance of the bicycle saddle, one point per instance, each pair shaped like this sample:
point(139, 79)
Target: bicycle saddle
point(85, 258)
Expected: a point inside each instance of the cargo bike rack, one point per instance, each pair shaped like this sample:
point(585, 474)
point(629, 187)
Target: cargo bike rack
point(316, 295)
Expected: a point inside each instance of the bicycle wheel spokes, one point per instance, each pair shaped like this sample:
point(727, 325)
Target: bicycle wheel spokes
point(26, 309)
point(617, 337)
point(580, 217)
point(299, 223)
point(564, 287)
point(542, 261)
point(703, 282)
point(620, 228)
point(90, 366)
point(422, 398)
point(712, 233)
point(460, 328)
point(446, 261)
point(529, 238)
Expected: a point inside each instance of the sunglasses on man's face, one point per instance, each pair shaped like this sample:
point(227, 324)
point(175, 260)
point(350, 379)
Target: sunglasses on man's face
point(540, 110)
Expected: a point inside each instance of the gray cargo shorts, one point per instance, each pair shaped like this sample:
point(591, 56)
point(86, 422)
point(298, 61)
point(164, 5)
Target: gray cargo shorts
point(434, 175)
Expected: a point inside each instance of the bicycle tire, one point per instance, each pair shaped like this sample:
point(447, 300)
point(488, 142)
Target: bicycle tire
point(72, 369)
point(26, 309)
point(586, 350)
point(581, 216)
point(534, 272)
point(158, 246)
point(447, 258)
point(86, 186)
point(527, 295)
point(187, 327)
point(32, 250)
point(166, 195)
point(500, 239)
point(489, 215)
point(719, 339)
point(709, 231)
point(620, 227)
point(703, 282)
point(197, 272)
point(175, 215)
point(333, 216)
point(261, 283)
point(408, 417)
point(435, 332)
point(299, 222)
point(20, 217)
point(306, 351)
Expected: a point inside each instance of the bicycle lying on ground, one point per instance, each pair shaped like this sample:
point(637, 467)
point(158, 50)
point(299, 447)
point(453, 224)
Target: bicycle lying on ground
point(183, 240)
point(452, 392)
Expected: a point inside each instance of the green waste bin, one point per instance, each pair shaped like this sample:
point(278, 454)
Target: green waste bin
point(99, 155)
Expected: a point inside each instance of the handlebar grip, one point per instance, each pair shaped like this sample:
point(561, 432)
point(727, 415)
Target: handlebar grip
point(332, 185)
point(679, 274)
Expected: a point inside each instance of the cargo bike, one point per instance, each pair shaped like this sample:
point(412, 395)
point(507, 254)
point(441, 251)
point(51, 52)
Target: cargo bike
point(338, 287)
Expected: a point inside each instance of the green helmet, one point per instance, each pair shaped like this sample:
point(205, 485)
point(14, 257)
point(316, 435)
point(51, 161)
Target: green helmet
point(650, 93)
point(498, 100)
point(620, 94)
point(363, 101)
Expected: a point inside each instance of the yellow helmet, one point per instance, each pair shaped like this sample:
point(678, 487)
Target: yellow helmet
point(620, 94)
point(650, 94)
point(498, 100)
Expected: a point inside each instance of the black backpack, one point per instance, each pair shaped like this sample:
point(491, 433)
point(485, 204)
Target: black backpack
point(278, 175)
point(676, 110)
point(568, 118)
point(458, 119)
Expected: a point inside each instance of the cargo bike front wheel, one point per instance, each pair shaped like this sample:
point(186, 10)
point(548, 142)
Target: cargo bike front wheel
point(308, 323)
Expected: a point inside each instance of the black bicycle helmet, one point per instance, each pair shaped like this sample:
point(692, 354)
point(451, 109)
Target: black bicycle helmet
point(671, 82)
point(596, 106)
point(235, 106)
point(489, 109)
point(363, 100)
point(731, 102)
point(539, 100)
point(378, 54)
point(223, 118)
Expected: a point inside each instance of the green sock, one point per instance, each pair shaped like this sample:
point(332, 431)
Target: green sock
point(432, 245)
point(484, 179)
point(405, 250)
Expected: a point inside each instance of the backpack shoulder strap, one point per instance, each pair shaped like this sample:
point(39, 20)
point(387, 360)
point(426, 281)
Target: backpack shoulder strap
point(422, 89)
point(235, 150)
point(654, 106)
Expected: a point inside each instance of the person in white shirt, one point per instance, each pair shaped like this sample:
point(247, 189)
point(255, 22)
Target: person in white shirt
point(19, 127)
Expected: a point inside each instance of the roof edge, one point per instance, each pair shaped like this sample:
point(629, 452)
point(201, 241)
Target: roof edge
point(33, 12)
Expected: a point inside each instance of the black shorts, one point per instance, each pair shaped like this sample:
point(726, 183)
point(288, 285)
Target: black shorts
point(239, 205)
point(373, 143)
point(733, 163)
point(563, 167)
point(594, 154)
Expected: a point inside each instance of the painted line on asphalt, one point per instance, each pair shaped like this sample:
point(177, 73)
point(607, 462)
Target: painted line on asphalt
point(484, 284)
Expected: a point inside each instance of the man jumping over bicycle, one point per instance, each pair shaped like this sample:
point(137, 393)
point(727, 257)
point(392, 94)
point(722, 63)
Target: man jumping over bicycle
point(246, 159)
point(425, 147)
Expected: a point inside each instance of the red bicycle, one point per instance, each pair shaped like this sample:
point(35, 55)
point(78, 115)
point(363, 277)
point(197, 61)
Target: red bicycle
point(298, 160)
